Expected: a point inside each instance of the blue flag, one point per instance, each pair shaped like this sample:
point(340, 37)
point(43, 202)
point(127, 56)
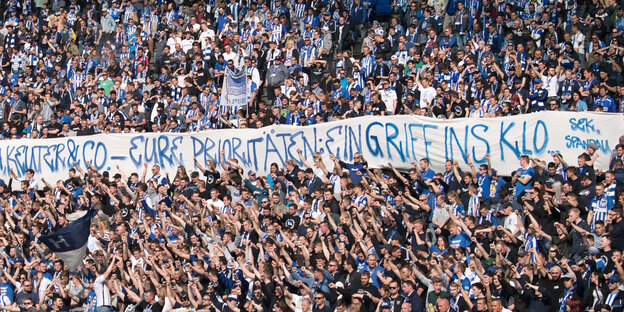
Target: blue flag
point(70, 242)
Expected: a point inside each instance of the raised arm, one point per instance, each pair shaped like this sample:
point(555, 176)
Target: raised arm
point(144, 172)
point(336, 162)
point(398, 174)
point(198, 165)
point(225, 166)
point(80, 169)
point(124, 177)
point(456, 170)
point(303, 160)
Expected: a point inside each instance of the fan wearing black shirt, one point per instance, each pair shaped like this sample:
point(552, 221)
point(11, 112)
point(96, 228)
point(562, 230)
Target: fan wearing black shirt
point(290, 218)
point(459, 107)
point(277, 116)
point(320, 304)
point(54, 128)
point(379, 107)
point(149, 303)
point(58, 304)
point(367, 292)
point(316, 71)
point(85, 129)
point(211, 174)
point(439, 107)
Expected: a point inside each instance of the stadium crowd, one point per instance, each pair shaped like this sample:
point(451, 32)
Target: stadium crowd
point(321, 237)
point(82, 67)
point(318, 236)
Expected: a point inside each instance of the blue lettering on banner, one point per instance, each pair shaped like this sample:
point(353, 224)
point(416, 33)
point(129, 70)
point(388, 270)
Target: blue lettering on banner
point(136, 159)
point(330, 139)
point(271, 148)
point(581, 128)
point(452, 137)
point(255, 151)
point(525, 151)
point(399, 139)
point(573, 141)
point(390, 141)
point(542, 148)
point(481, 139)
point(413, 137)
point(355, 140)
point(161, 150)
point(503, 141)
point(236, 143)
point(427, 142)
point(585, 125)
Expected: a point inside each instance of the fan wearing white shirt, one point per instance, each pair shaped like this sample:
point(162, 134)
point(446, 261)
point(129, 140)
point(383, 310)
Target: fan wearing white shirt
point(41, 284)
point(100, 286)
point(427, 92)
point(214, 199)
point(5, 302)
point(578, 40)
point(551, 81)
point(388, 96)
point(173, 40)
point(28, 176)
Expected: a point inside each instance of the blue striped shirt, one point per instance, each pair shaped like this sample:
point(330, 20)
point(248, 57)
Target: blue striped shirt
point(531, 242)
point(277, 32)
point(307, 53)
point(473, 206)
point(316, 105)
point(299, 10)
point(610, 194)
point(600, 210)
point(368, 65)
point(235, 9)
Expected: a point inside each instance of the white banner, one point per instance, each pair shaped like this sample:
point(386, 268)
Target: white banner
point(396, 139)
point(234, 89)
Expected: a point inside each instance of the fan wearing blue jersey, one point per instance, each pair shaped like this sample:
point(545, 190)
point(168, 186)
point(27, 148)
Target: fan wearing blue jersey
point(484, 179)
point(524, 175)
point(458, 238)
point(610, 188)
point(156, 175)
point(599, 208)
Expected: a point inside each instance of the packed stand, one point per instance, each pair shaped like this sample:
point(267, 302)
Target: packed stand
point(333, 236)
point(322, 236)
point(81, 68)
